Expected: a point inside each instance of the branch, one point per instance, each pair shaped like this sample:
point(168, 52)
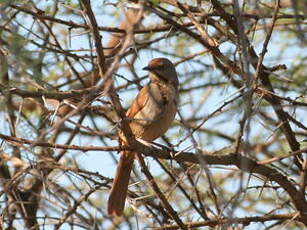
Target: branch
point(44, 93)
point(243, 163)
point(225, 221)
point(73, 209)
point(97, 36)
point(59, 146)
point(160, 194)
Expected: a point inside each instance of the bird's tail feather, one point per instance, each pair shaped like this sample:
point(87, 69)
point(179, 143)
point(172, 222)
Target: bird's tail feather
point(116, 202)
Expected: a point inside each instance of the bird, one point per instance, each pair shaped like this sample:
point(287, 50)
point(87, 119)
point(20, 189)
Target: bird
point(150, 115)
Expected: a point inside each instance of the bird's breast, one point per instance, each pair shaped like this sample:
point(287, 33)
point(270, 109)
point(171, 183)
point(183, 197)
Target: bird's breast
point(157, 114)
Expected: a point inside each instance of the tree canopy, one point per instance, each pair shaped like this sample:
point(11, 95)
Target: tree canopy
point(235, 156)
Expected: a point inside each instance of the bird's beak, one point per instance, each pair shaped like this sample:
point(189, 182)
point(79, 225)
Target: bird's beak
point(147, 68)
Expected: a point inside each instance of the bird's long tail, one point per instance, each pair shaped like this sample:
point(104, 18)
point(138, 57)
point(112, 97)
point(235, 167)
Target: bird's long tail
point(116, 202)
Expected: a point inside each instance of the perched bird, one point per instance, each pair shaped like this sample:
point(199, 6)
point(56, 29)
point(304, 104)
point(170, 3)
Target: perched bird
point(150, 116)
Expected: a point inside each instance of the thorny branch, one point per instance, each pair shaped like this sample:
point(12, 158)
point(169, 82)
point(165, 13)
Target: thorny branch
point(82, 60)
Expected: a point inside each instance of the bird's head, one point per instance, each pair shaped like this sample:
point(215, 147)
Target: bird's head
point(162, 69)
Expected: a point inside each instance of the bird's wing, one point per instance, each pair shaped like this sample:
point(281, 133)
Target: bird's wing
point(139, 102)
